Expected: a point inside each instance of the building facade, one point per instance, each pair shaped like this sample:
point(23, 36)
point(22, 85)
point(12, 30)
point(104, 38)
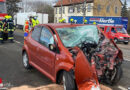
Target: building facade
point(88, 8)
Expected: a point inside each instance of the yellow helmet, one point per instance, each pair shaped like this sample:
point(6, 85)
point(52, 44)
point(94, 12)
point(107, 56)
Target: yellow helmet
point(60, 20)
point(85, 21)
point(8, 17)
point(71, 20)
point(94, 23)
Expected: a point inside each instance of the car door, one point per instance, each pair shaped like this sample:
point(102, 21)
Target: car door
point(108, 32)
point(33, 44)
point(46, 56)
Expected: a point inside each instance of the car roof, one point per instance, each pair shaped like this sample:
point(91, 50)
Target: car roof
point(61, 25)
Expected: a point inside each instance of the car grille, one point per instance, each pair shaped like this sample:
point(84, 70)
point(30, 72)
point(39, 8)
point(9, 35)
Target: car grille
point(126, 38)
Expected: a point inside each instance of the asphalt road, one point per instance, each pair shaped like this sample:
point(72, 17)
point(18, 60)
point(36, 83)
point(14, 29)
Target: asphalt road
point(13, 73)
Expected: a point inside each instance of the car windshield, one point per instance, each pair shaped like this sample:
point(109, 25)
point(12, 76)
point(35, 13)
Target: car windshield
point(122, 30)
point(3, 7)
point(72, 36)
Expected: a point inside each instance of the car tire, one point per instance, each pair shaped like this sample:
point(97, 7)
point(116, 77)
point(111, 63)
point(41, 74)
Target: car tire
point(118, 76)
point(126, 43)
point(68, 81)
point(116, 40)
point(26, 61)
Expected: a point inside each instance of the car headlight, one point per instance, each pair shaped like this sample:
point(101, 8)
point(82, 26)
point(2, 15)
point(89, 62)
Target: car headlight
point(121, 37)
point(95, 88)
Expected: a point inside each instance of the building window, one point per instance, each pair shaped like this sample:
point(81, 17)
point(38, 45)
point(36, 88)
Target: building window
point(116, 10)
point(99, 8)
point(55, 19)
point(108, 8)
point(89, 8)
point(78, 9)
point(60, 10)
point(56, 10)
point(63, 10)
point(71, 10)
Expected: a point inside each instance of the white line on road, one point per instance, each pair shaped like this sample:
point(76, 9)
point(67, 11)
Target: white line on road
point(126, 59)
point(17, 42)
point(122, 88)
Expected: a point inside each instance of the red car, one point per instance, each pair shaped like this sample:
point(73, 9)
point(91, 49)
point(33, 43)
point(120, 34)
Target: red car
point(118, 34)
point(51, 48)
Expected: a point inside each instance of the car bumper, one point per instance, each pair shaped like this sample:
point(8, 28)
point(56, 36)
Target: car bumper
point(123, 40)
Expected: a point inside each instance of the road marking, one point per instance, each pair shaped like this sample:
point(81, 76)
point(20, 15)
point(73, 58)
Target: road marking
point(122, 88)
point(17, 42)
point(126, 59)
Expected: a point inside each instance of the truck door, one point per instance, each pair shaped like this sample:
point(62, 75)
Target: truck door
point(113, 33)
point(108, 32)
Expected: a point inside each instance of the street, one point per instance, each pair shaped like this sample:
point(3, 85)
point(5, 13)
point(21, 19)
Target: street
point(13, 73)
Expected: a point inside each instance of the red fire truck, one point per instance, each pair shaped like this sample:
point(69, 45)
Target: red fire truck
point(3, 9)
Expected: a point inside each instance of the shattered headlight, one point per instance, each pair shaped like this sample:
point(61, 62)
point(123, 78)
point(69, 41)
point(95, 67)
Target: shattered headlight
point(95, 88)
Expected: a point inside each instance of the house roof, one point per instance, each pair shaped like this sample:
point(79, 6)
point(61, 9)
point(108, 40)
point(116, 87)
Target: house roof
point(70, 2)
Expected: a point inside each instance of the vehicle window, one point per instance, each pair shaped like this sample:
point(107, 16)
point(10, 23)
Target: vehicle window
point(46, 37)
point(113, 30)
point(122, 30)
point(108, 28)
point(102, 28)
point(73, 36)
point(36, 33)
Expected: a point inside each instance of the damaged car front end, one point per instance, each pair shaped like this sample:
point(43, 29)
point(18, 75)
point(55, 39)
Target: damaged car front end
point(96, 58)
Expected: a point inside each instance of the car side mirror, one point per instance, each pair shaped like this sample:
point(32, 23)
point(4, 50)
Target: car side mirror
point(52, 47)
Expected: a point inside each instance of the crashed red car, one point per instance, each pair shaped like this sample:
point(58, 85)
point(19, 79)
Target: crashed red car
point(46, 48)
point(67, 54)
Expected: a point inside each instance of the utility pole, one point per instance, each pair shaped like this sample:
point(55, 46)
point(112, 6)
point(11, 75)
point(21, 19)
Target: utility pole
point(61, 8)
point(84, 10)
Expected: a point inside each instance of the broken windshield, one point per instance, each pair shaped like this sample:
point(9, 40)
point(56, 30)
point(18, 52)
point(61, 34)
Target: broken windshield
point(72, 36)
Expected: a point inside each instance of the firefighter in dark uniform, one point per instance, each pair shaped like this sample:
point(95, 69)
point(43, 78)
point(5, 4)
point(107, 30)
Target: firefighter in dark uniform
point(10, 29)
point(1, 32)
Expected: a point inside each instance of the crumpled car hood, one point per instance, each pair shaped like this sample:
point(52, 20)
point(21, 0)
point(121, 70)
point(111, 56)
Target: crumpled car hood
point(84, 75)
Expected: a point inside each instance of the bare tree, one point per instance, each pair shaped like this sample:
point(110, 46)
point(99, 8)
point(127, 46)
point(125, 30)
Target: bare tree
point(42, 7)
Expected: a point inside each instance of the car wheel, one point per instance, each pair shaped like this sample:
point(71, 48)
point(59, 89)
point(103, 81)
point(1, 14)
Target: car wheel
point(118, 75)
point(126, 43)
point(26, 61)
point(115, 40)
point(68, 81)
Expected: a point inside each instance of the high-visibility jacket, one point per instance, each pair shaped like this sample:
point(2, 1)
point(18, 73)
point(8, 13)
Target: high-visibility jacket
point(1, 26)
point(26, 26)
point(34, 22)
point(10, 25)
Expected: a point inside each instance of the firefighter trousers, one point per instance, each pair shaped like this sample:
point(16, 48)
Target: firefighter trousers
point(1, 36)
point(11, 36)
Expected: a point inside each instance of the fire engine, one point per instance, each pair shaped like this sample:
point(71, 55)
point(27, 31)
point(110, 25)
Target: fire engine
point(3, 9)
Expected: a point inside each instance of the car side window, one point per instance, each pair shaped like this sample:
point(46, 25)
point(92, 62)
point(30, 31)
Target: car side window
point(36, 33)
point(113, 30)
point(46, 37)
point(108, 28)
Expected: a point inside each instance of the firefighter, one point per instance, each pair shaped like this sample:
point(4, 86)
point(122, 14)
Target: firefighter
point(1, 32)
point(85, 21)
point(34, 21)
point(5, 32)
point(26, 28)
point(62, 20)
point(10, 29)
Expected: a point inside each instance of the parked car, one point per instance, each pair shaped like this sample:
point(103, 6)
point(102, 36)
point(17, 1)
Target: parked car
point(117, 33)
point(51, 48)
